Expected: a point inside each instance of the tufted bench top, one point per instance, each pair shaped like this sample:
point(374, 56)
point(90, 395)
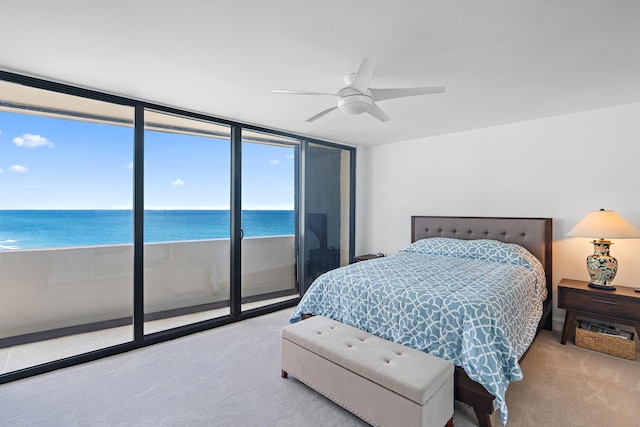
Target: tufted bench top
point(408, 372)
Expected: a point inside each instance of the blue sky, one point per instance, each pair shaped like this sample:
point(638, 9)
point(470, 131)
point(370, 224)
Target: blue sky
point(49, 163)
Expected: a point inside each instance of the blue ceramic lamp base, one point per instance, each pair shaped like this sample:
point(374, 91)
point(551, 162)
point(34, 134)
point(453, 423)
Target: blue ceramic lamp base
point(602, 267)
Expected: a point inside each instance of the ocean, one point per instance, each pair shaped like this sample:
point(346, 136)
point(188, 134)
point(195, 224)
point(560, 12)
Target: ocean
point(31, 229)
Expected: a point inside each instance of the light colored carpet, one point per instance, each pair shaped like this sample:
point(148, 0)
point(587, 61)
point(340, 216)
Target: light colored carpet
point(230, 376)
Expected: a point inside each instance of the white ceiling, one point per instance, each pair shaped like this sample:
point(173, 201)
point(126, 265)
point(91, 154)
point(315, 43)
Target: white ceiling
point(502, 61)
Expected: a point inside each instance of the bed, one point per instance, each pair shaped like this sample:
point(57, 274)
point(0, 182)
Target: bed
point(449, 297)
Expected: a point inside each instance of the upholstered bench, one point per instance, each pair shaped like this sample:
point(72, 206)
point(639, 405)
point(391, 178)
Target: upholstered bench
point(382, 382)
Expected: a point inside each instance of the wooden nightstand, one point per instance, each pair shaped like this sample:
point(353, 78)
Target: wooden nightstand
point(621, 305)
point(367, 257)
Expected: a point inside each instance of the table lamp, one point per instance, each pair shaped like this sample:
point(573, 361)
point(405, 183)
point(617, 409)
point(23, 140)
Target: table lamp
point(603, 225)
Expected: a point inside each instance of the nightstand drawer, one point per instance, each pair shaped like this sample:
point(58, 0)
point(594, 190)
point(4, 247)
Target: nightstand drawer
point(599, 303)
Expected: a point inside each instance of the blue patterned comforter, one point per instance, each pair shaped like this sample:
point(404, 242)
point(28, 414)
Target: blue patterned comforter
point(476, 303)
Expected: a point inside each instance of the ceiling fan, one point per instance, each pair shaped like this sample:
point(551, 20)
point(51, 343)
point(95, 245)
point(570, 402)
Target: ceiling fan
point(357, 97)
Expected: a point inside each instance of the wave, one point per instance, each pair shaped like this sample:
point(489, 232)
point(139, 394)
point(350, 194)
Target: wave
point(4, 246)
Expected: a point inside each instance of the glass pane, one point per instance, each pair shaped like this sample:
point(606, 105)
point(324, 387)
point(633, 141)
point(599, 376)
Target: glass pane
point(268, 219)
point(186, 221)
point(327, 196)
point(66, 225)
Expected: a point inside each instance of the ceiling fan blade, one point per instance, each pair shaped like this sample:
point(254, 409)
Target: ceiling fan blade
point(382, 94)
point(377, 112)
point(320, 114)
point(363, 75)
point(302, 92)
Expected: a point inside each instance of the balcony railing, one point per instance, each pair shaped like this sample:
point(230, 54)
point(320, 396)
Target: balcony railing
point(64, 288)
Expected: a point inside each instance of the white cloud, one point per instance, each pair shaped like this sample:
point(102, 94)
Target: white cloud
point(274, 162)
point(289, 156)
point(129, 165)
point(31, 188)
point(1, 170)
point(29, 140)
point(18, 168)
point(178, 182)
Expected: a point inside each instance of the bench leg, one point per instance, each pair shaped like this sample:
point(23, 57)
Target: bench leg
point(284, 374)
point(450, 422)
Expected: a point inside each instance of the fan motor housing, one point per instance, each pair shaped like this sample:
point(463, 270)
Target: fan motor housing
point(351, 101)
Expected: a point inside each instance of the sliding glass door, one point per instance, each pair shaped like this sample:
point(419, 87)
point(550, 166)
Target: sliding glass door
point(186, 221)
point(269, 237)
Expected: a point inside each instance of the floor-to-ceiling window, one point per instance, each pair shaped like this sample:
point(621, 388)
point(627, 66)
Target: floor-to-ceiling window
point(66, 225)
point(328, 196)
point(124, 223)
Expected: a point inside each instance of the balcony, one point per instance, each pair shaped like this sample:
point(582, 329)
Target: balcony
point(66, 301)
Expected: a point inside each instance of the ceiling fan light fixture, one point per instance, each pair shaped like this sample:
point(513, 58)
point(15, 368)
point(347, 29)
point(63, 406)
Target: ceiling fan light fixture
point(357, 97)
point(355, 104)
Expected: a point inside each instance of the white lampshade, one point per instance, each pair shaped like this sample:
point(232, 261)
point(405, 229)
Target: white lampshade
point(604, 225)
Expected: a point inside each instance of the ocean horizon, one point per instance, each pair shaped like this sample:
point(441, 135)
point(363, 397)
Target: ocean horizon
point(33, 229)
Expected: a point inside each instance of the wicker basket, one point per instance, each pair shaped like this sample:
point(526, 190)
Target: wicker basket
point(612, 345)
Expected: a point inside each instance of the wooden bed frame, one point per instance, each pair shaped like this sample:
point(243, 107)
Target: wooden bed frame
point(534, 234)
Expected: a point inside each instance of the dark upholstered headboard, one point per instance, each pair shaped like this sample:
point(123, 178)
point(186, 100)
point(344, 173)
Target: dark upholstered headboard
point(534, 234)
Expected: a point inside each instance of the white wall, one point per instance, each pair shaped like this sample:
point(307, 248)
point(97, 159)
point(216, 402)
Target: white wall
point(561, 167)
